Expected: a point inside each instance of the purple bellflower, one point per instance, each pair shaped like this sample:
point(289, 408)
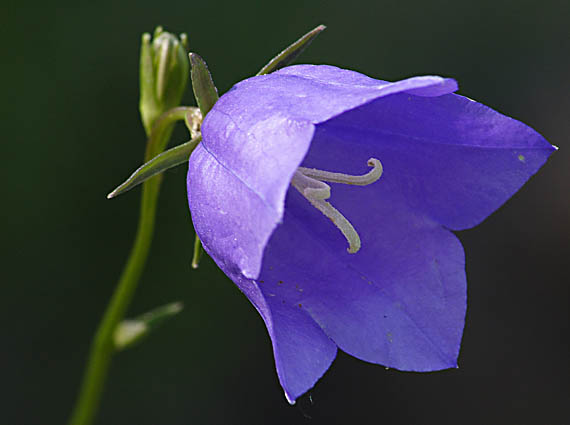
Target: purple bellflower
point(328, 198)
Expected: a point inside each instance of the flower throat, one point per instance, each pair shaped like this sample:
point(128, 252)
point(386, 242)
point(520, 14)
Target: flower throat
point(311, 184)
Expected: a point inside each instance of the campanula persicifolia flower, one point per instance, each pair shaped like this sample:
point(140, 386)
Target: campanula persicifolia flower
point(329, 197)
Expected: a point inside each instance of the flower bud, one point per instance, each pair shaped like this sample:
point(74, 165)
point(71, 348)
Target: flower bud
point(163, 74)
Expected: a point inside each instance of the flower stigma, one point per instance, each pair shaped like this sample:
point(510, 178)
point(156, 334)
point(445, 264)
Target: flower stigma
point(310, 182)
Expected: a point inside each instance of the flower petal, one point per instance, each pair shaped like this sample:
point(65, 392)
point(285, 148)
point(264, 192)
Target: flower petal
point(399, 302)
point(219, 202)
point(222, 206)
point(451, 158)
point(339, 79)
point(302, 351)
point(256, 135)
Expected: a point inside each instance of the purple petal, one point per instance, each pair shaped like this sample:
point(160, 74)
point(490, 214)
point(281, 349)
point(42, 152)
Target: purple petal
point(222, 209)
point(302, 351)
point(448, 157)
point(399, 302)
point(337, 78)
point(255, 137)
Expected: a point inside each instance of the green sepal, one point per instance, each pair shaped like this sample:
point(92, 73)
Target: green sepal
point(131, 331)
point(148, 104)
point(292, 52)
point(157, 31)
point(160, 163)
point(198, 251)
point(203, 86)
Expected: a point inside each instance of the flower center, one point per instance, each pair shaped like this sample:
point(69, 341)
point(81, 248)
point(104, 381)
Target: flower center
point(311, 184)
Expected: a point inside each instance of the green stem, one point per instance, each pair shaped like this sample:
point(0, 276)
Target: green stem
point(162, 128)
point(102, 346)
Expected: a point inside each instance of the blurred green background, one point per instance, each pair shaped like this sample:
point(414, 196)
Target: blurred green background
point(71, 133)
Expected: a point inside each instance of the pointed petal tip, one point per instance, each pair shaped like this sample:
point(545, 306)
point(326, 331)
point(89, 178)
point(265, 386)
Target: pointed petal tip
point(290, 399)
point(453, 363)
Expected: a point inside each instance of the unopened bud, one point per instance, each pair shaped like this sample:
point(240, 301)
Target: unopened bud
point(163, 74)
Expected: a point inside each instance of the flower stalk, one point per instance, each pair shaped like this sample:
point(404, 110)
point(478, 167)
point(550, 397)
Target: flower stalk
point(103, 346)
point(163, 73)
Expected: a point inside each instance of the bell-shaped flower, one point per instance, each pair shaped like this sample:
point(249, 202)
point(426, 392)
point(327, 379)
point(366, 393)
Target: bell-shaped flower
point(329, 197)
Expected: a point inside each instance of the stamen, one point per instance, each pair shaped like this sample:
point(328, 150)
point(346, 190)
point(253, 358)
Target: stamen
point(363, 180)
point(310, 183)
point(316, 192)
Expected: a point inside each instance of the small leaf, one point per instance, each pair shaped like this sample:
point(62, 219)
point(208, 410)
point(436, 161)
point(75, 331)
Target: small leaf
point(290, 53)
point(160, 163)
point(128, 332)
point(131, 331)
point(205, 91)
point(158, 315)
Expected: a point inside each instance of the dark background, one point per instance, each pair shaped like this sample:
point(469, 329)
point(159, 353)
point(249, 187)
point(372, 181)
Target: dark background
point(71, 133)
